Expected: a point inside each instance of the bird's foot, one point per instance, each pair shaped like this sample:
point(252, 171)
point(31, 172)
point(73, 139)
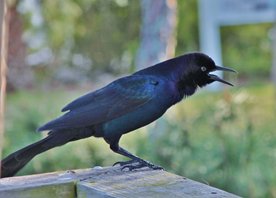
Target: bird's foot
point(125, 162)
point(137, 164)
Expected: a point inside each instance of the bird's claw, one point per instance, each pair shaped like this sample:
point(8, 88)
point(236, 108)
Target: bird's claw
point(137, 164)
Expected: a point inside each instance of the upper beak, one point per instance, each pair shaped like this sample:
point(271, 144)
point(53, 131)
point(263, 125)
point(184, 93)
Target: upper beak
point(216, 78)
point(225, 69)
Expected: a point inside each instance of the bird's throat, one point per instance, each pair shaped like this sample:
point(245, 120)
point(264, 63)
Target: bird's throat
point(186, 89)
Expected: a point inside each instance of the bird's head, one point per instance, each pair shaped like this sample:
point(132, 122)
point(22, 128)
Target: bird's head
point(198, 67)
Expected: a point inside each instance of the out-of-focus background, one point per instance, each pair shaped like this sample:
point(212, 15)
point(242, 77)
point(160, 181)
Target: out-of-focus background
point(222, 136)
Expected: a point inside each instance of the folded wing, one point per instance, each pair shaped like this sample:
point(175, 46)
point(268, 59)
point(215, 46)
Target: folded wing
point(116, 99)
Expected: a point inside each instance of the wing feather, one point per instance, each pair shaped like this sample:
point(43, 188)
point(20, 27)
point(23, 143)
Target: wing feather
point(116, 99)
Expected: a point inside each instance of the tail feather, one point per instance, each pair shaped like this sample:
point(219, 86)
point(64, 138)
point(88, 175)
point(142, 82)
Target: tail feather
point(17, 160)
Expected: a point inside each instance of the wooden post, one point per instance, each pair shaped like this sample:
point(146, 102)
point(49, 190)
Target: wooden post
point(3, 66)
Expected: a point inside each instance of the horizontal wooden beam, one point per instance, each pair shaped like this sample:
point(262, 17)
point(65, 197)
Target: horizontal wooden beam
point(107, 182)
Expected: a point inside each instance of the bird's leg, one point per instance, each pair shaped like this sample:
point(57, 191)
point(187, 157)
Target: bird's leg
point(130, 164)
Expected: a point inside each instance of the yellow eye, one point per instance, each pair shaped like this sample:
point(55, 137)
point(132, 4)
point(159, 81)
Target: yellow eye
point(203, 68)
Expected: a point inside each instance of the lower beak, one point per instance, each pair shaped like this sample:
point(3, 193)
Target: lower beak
point(216, 78)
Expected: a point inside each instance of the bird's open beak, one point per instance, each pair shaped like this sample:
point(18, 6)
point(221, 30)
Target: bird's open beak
point(216, 78)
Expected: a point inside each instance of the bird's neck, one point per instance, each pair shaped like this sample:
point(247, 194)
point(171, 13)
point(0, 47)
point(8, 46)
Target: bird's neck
point(172, 71)
point(167, 69)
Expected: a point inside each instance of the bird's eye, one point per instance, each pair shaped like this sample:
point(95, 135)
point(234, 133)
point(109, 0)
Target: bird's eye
point(203, 68)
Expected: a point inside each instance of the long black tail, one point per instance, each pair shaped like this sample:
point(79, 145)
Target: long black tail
point(17, 160)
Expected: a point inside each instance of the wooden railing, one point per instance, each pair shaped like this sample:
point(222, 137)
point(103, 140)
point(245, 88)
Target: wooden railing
point(107, 182)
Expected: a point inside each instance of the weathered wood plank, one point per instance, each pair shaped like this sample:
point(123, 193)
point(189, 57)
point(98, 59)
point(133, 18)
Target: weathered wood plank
point(107, 182)
point(145, 184)
point(45, 185)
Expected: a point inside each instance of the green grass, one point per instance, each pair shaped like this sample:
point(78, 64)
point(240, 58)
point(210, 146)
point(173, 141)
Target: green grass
point(226, 139)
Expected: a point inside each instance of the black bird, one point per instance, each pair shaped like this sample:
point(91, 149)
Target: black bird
point(121, 107)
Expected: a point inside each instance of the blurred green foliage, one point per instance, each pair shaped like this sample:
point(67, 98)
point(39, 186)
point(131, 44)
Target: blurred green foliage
point(224, 139)
point(103, 36)
point(104, 32)
point(248, 49)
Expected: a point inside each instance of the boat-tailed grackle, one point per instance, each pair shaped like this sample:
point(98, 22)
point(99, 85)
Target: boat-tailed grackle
point(122, 106)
